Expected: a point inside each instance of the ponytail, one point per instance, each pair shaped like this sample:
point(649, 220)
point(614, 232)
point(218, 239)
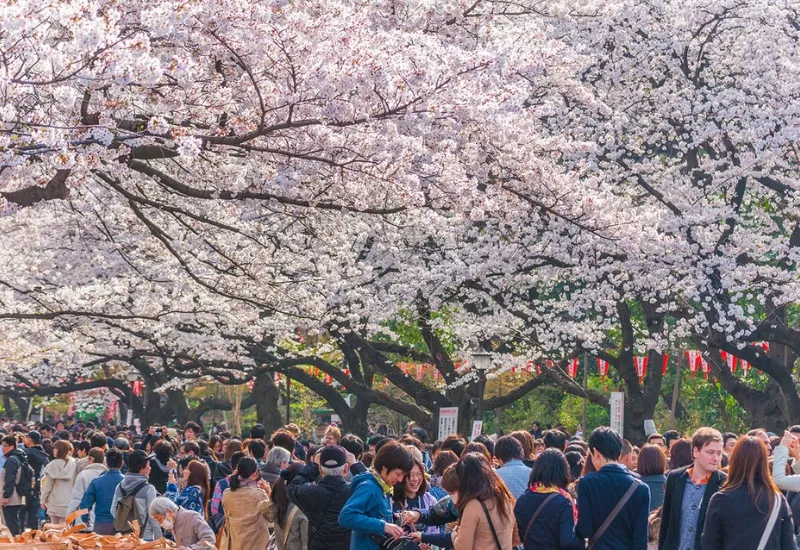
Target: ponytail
point(247, 467)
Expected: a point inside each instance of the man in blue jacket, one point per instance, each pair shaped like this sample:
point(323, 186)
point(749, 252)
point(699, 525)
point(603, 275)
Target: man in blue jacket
point(368, 512)
point(599, 493)
point(100, 493)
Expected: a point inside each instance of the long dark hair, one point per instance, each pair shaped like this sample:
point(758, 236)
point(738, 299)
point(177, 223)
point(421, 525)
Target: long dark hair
point(198, 476)
point(280, 492)
point(246, 468)
point(749, 467)
point(478, 481)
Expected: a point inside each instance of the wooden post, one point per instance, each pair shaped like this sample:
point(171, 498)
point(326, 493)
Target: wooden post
point(585, 388)
point(676, 390)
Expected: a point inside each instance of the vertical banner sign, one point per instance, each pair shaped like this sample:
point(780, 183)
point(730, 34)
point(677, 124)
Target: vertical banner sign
point(448, 421)
point(664, 364)
point(617, 405)
point(129, 418)
point(477, 429)
point(602, 368)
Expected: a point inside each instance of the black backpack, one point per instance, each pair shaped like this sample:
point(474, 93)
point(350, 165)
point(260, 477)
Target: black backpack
point(26, 483)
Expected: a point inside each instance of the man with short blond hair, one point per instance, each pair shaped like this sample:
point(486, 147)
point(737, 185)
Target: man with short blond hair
point(688, 490)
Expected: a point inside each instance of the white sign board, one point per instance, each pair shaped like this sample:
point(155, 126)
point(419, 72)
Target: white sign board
point(130, 418)
point(617, 405)
point(477, 429)
point(448, 421)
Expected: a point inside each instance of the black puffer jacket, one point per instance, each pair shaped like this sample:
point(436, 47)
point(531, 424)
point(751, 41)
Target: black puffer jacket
point(324, 498)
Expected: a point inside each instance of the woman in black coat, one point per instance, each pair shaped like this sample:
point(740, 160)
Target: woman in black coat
point(554, 526)
point(738, 514)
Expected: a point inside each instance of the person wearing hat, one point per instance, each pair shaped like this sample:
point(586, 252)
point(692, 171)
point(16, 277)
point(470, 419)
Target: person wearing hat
point(321, 501)
point(38, 459)
point(137, 475)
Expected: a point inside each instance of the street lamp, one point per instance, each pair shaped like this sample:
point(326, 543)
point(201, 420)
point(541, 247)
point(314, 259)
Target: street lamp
point(482, 362)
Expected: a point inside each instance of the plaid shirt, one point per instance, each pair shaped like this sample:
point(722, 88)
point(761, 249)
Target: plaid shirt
point(515, 475)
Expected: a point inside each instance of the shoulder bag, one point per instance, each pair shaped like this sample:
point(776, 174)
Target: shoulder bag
point(287, 526)
point(491, 526)
point(536, 515)
point(613, 515)
point(773, 517)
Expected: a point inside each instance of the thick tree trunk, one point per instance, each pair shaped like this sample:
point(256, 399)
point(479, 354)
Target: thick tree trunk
point(266, 394)
point(762, 407)
point(355, 420)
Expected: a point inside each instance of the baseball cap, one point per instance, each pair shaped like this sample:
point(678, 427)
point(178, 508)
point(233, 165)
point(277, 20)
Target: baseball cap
point(333, 456)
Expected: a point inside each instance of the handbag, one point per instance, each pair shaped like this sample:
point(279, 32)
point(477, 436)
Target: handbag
point(773, 517)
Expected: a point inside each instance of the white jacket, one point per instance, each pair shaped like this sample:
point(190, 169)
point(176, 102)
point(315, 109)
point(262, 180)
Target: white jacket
point(780, 457)
point(58, 478)
point(82, 482)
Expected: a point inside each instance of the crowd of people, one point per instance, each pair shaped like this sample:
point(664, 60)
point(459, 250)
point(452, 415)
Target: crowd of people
point(529, 489)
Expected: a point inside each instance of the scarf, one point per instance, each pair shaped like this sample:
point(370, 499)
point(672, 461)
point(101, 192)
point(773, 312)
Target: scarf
point(387, 489)
point(543, 489)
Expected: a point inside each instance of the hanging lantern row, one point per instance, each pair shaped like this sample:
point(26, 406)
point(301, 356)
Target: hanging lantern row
point(420, 370)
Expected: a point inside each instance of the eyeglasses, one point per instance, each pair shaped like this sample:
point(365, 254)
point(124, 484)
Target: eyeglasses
point(416, 476)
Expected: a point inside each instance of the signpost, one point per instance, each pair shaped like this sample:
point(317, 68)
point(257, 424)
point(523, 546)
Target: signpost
point(448, 421)
point(477, 429)
point(617, 406)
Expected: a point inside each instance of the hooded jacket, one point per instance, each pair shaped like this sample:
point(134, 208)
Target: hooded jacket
point(10, 476)
point(57, 481)
point(82, 482)
point(38, 459)
point(152, 530)
point(367, 511)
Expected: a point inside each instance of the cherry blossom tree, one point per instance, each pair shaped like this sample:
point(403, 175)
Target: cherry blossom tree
point(186, 184)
